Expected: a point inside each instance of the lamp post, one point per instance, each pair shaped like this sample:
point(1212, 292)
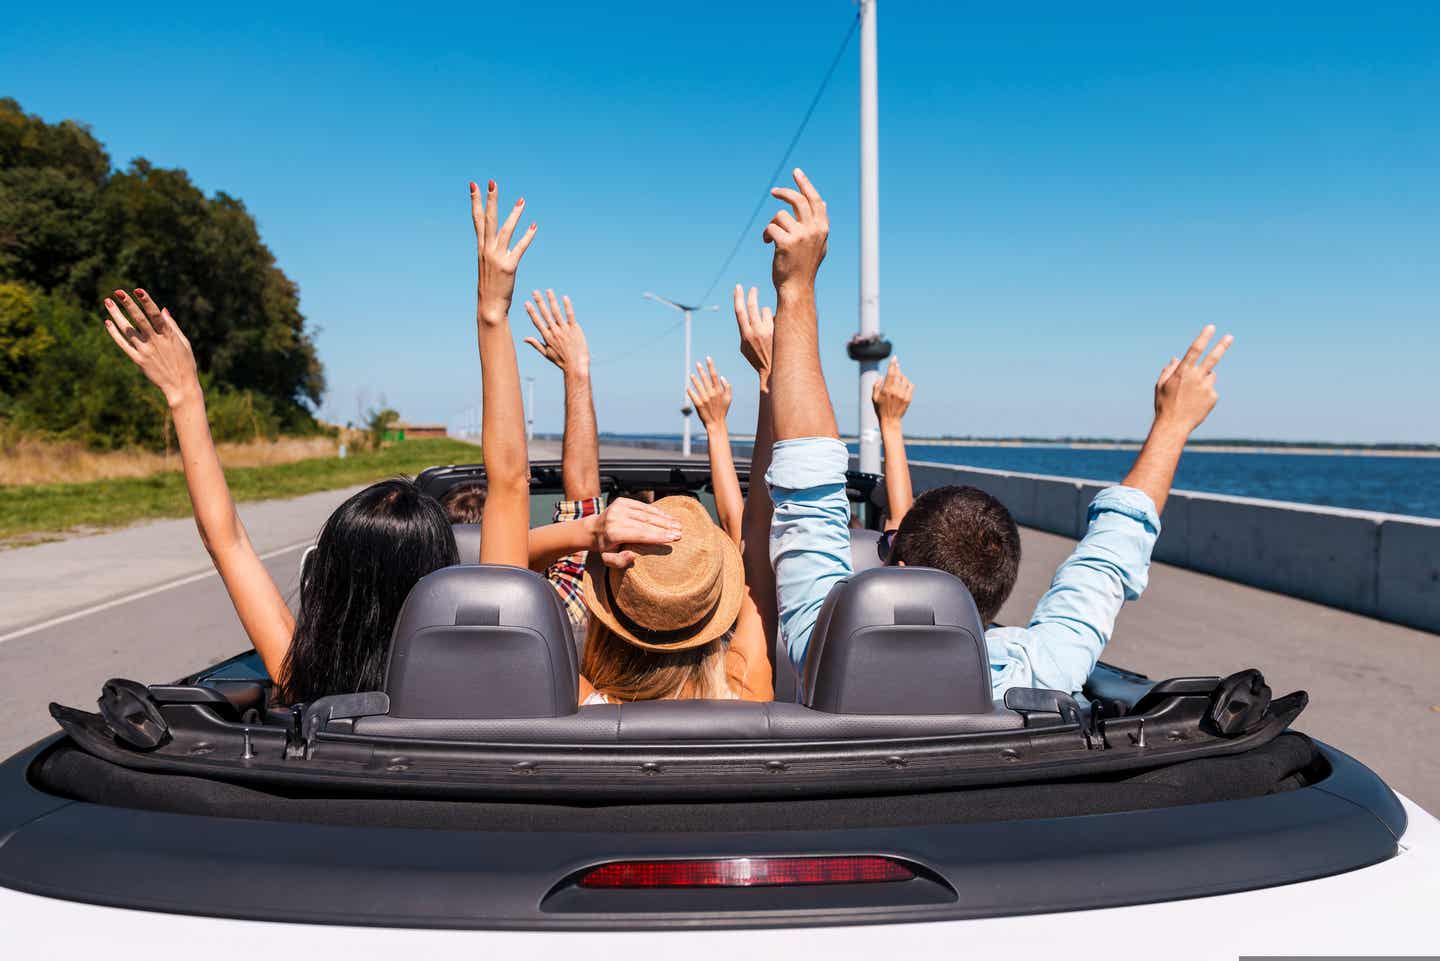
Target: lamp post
point(529, 409)
point(868, 348)
point(685, 410)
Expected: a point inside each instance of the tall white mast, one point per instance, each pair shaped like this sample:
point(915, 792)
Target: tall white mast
point(869, 429)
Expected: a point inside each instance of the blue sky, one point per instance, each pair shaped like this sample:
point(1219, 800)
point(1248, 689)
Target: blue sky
point(1065, 199)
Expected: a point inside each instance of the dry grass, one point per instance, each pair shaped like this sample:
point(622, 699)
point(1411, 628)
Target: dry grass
point(30, 461)
point(33, 512)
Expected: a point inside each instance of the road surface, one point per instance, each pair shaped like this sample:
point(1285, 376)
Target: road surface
point(141, 603)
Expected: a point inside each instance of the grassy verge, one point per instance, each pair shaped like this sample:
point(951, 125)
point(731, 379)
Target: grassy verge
point(30, 460)
point(29, 512)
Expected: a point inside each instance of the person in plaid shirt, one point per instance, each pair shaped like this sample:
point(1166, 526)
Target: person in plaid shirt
point(568, 573)
point(562, 342)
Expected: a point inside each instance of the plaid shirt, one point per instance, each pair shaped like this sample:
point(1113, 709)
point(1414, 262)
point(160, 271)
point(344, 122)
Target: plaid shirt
point(566, 574)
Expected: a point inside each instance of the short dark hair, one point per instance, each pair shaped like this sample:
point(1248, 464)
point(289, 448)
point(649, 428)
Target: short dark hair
point(465, 503)
point(966, 532)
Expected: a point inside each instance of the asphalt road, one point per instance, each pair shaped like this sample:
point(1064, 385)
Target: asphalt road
point(1374, 687)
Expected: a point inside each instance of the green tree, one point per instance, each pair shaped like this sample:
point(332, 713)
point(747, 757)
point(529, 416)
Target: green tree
point(377, 422)
point(51, 177)
point(82, 388)
point(73, 230)
point(22, 338)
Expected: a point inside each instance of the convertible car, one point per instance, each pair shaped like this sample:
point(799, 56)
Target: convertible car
point(470, 807)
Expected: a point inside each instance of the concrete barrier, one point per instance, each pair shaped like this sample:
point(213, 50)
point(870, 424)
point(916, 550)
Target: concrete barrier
point(1408, 571)
point(1382, 565)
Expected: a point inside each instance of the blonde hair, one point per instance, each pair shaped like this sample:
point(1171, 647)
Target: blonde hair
point(623, 672)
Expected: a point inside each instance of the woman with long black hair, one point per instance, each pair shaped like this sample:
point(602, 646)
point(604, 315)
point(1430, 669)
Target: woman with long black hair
point(377, 544)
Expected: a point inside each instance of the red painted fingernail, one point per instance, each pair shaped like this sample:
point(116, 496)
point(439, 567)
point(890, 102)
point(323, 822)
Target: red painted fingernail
point(474, 186)
point(520, 202)
point(492, 186)
point(532, 225)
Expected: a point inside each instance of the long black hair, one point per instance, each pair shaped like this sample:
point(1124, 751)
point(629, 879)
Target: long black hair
point(370, 553)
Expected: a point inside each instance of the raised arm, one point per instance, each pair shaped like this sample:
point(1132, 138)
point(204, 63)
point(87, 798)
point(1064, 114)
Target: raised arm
point(891, 398)
point(1184, 396)
point(810, 530)
point(757, 341)
point(505, 523)
point(150, 337)
point(709, 394)
point(801, 402)
point(755, 645)
point(562, 342)
point(1075, 618)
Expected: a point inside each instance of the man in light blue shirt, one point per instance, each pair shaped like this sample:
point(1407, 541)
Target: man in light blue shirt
point(961, 530)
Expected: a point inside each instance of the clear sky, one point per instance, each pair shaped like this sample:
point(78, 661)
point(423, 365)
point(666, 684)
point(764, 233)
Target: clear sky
point(1066, 195)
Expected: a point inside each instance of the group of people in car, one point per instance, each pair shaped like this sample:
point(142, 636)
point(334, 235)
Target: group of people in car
point(670, 604)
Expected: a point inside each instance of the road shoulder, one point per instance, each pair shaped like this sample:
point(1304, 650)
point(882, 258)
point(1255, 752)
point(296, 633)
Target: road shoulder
point(51, 580)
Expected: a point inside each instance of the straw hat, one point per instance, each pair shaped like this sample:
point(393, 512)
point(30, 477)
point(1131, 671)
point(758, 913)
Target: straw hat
point(676, 596)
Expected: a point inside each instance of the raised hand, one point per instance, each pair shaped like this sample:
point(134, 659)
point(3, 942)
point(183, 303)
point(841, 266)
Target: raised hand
point(561, 342)
point(757, 331)
point(150, 337)
point(505, 524)
point(891, 394)
point(1185, 393)
point(629, 522)
point(497, 259)
point(709, 394)
point(1184, 396)
point(800, 238)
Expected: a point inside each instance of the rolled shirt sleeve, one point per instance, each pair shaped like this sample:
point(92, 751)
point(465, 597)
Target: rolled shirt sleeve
point(809, 533)
point(1076, 617)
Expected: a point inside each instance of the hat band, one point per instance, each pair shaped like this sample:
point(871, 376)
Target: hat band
point(661, 638)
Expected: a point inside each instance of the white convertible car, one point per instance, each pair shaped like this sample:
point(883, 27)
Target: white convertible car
point(895, 812)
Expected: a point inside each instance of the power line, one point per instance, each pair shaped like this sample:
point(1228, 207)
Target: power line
point(759, 204)
point(775, 175)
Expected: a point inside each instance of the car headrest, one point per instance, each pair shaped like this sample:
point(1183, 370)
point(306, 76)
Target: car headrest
point(865, 550)
point(898, 640)
point(482, 641)
point(467, 542)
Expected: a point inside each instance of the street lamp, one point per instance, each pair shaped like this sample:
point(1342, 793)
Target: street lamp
point(529, 409)
point(868, 348)
point(685, 410)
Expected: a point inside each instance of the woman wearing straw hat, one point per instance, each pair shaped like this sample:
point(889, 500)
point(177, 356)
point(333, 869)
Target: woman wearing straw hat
point(693, 618)
point(674, 620)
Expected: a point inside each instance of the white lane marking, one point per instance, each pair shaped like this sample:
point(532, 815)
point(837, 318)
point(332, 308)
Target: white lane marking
point(148, 592)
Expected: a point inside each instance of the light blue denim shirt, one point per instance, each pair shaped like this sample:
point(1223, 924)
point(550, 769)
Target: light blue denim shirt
point(810, 548)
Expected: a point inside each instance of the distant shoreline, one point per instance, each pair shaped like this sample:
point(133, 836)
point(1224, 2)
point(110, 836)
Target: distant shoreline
point(1332, 450)
point(1337, 451)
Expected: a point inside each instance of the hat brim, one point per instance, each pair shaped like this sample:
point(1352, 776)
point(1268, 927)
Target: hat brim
point(732, 589)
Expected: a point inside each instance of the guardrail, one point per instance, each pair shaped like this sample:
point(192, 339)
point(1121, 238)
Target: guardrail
point(1381, 565)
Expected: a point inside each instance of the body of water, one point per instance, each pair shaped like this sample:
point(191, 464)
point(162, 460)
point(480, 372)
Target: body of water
point(1394, 485)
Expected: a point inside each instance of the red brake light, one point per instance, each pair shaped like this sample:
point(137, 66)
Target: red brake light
point(745, 872)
